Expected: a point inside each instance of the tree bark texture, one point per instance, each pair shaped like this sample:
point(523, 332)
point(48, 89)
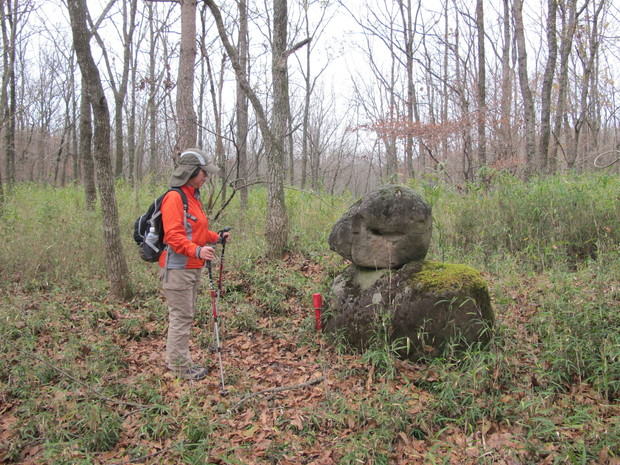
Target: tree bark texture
point(277, 218)
point(547, 85)
point(411, 102)
point(85, 146)
point(305, 135)
point(8, 100)
point(526, 92)
point(569, 23)
point(482, 87)
point(591, 43)
point(242, 106)
point(129, 25)
point(120, 284)
point(186, 116)
point(505, 144)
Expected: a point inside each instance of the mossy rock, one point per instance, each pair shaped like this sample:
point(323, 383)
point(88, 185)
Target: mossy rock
point(428, 306)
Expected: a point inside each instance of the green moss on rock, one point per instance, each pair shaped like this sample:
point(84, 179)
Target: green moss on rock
point(438, 277)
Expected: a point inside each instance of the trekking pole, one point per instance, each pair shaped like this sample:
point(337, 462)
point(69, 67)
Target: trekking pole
point(215, 328)
point(223, 240)
point(219, 284)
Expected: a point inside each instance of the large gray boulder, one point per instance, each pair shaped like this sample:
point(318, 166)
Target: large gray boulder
point(387, 228)
point(422, 308)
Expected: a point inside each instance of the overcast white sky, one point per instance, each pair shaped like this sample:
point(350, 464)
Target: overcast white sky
point(339, 48)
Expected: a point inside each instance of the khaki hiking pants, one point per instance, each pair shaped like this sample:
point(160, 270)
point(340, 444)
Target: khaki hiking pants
point(181, 291)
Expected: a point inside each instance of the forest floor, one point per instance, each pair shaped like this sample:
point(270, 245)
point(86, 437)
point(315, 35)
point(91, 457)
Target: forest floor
point(292, 396)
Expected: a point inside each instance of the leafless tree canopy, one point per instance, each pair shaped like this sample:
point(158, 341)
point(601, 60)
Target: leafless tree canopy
point(353, 93)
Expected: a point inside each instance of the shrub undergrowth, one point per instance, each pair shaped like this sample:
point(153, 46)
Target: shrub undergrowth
point(78, 384)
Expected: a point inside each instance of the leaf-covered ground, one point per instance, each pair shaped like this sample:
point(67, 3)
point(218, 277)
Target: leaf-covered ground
point(94, 372)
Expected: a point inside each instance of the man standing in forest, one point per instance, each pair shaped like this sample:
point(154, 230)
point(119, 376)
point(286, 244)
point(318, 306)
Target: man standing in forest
point(186, 232)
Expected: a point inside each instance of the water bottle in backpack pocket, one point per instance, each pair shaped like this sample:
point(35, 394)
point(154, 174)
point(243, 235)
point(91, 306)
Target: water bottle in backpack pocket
point(152, 246)
point(149, 231)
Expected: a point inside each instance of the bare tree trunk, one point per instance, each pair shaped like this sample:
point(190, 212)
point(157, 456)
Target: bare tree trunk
point(289, 137)
point(120, 283)
point(151, 105)
point(86, 139)
point(58, 167)
point(389, 137)
point(216, 97)
point(547, 85)
point(10, 126)
point(569, 17)
point(9, 23)
point(588, 56)
point(204, 78)
point(131, 128)
point(445, 90)
point(306, 118)
point(220, 152)
point(242, 106)
point(120, 90)
point(506, 95)
point(482, 87)
point(77, 165)
point(526, 92)
point(277, 218)
point(215, 90)
point(186, 116)
point(411, 102)
point(276, 223)
point(464, 102)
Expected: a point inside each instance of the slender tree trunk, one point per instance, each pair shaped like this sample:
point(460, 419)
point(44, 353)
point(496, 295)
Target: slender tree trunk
point(411, 102)
point(86, 139)
point(306, 118)
point(9, 17)
point(118, 272)
point(10, 127)
point(120, 94)
point(526, 92)
point(204, 78)
point(461, 90)
point(242, 106)
point(59, 164)
point(151, 105)
point(482, 87)
point(289, 138)
point(131, 128)
point(216, 95)
point(276, 225)
point(77, 165)
point(220, 152)
point(389, 137)
point(547, 85)
point(277, 218)
point(186, 116)
point(445, 100)
point(591, 46)
point(506, 95)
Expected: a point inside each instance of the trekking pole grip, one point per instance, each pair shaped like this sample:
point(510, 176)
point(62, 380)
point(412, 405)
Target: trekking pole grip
point(221, 234)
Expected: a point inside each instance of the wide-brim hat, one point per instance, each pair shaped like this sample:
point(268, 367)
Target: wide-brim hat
point(189, 160)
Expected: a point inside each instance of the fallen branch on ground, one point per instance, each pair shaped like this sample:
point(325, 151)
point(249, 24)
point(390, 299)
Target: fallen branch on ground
point(312, 382)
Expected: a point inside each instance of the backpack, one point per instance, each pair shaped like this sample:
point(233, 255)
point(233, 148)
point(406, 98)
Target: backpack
point(150, 245)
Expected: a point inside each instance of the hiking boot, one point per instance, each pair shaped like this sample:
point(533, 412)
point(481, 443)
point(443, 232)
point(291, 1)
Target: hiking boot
point(195, 373)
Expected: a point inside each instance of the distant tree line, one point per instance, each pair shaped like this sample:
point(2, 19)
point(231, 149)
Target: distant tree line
point(453, 90)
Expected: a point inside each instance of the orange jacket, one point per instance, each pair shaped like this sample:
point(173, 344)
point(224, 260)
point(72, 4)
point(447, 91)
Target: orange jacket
point(184, 235)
